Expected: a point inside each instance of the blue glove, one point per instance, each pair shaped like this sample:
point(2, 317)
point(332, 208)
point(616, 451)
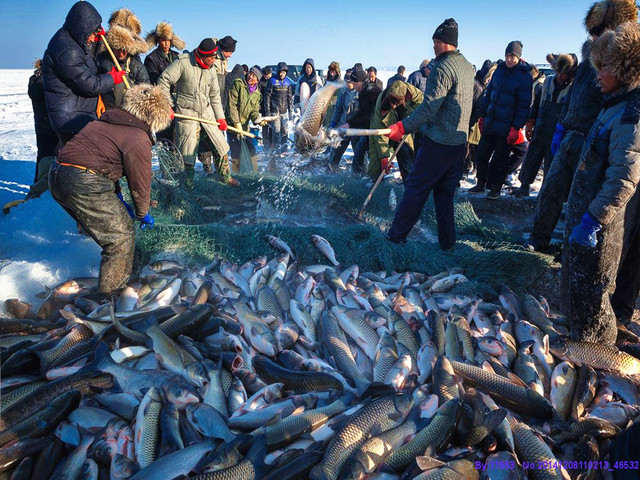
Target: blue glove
point(585, 233)
point(147, 222)
point(332, 125)
point(129, 208)
point(557, 138)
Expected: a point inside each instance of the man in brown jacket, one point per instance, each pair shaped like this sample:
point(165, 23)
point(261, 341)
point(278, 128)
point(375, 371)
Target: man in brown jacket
point(84, 180)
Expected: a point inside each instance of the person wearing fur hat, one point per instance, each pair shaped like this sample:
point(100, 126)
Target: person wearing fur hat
point(394, 104)
point(84, 180)
point(333, 75)
point(71, 81)
point(602, 232)
point(543, 119)
point(125, 41)
point(419, 77)
point(198, 95)
point(158, 60)
point(244, 105)
point(443, 121)
point(577, 116)
point(504, 112)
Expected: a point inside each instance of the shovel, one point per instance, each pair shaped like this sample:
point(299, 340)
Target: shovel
point(380, 177)
point(359, 132)
point(115, 60)
point(212, 122)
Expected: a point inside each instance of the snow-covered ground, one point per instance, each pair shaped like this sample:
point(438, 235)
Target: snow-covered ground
point(39, 242)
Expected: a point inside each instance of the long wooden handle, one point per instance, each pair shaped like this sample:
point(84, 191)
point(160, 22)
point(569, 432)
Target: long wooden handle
point(363, 132)
point(380, 177)
point(213, 122)
point(115, 60)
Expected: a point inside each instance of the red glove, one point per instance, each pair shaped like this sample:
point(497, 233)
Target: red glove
point(397, 131)
point(172, 114)
point(223, 124)
point(512, 138)
point(385, 165)
point(481, 124)
point(117, 75)
point(100, 32)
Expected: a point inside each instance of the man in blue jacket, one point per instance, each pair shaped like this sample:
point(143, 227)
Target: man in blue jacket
point(443, 121)
point(70, 73)
point(507, 101)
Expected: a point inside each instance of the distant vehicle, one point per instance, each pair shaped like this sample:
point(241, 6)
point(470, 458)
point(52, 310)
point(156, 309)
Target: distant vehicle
point(295, 71)
point(545, 68)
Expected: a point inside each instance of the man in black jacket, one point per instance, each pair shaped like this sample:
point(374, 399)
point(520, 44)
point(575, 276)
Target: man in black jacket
point(46, 138)
point(70, 74)
point(158, 60)
point(279, 101)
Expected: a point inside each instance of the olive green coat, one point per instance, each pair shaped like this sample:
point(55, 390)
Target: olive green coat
point(379, 145)
point(242, 105)
point(197, 94)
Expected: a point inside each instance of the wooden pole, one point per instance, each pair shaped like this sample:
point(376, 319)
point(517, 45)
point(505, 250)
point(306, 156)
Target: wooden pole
point(363, 132)
point(213, 122)
point(115, 60)
point(380, 177)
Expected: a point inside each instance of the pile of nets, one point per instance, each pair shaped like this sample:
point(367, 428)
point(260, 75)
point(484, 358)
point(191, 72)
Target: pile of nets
point(214, 219)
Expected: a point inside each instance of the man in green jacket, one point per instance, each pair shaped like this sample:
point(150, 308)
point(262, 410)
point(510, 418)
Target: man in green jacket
point(443, 121)
point(198, 95)
point(244, 105)
point(394, 104)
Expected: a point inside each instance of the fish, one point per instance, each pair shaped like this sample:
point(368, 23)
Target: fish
point(563, 385)
point(325, 248)
point(598, 356)
point(147, 432)
point(308, 133)
point(532, 449)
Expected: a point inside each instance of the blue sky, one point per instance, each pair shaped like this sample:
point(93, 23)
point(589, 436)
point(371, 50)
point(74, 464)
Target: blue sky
point(380, 33)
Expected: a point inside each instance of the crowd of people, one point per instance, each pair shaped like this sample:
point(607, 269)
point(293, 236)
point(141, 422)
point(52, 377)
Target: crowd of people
point(97, 107)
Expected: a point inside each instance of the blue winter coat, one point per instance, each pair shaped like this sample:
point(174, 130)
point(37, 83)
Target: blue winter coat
point(507, 99)
point(70, 72)
point(278, 97)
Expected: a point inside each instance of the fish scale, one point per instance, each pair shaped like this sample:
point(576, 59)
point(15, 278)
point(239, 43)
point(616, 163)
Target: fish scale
point(380, 414)
point(148, 427)
point(530, 448)
point(598, 356)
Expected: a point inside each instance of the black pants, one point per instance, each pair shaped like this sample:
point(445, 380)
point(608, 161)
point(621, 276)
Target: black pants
point(340, 149)
point(493, 160)
point(539, 151)
point(91, 201)
point(436, 168)
point(46, 140)
point(517, 154)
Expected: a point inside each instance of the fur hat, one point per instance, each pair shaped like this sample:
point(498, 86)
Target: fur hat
point(123, 39)
point(37, 64)
point(335, 66)
point(619, 52)
point(564, 63)
point(164, 30)
point(149, 104)
point(608, 14)
point(124, 32)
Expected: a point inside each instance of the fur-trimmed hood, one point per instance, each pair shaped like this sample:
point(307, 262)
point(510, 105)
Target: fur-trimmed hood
point(564, 63)
point(150, 105)
point(608, 14)
point(164, 30)
point(124, 32)
point(619, 51)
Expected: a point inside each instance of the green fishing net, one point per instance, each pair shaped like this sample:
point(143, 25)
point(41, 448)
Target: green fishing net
point(215, 219)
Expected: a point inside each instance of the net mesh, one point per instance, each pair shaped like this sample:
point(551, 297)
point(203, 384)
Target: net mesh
point(215, 219)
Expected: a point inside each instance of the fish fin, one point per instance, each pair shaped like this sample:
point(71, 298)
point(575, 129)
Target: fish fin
point(46, 292)
point(427, 462)
point(516, 379)
point(487, 367)
point(101, 359)
point(375, 389)
point(493, 419)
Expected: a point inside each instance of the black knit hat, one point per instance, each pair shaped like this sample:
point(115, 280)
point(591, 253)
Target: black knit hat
point(227, 44)
point(447, 32)
point(515, 48)
point(207, 48)
point(358, 74)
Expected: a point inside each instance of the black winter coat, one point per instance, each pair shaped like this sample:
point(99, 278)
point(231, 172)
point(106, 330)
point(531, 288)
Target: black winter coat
point(366, 105)
point(36, 94)
point(136, 74)
point(396, 77)
point(311, 80)
point(278, 96)
point(156, 63)
point(507, 99)
point(71, 80)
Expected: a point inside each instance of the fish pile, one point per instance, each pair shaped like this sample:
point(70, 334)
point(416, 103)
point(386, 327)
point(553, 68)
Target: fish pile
point(276, 370)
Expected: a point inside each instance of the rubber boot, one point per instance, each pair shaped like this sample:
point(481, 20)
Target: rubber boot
point(479, 188)
point(522, 191)
point(494, 193)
